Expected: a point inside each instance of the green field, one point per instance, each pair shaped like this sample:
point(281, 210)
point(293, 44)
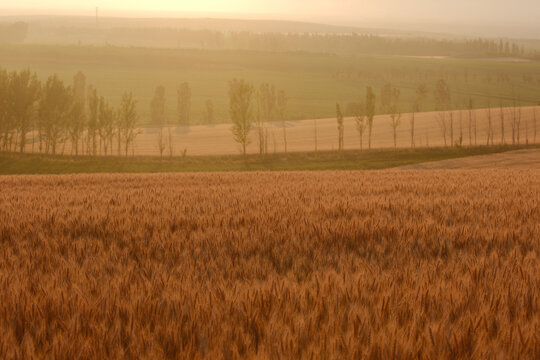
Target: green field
point(328, 160)
point(313, 82)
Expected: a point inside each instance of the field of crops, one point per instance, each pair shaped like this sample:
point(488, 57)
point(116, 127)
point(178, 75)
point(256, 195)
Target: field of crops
point(313, 82)
point(388, 264)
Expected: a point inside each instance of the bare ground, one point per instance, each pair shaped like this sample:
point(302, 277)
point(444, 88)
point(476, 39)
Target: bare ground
point(322, 134)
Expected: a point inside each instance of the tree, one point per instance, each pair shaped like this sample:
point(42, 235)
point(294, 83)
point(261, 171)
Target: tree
point(209, 112)
point(55, 109)
point(241, 111)
point(514, 122)
point(157, 106)
point(420, 96)
point(127, 119)
point(170, 142)
point(360, 122)
point(268, 102)
point(6, 121)
point(267, 111)
point(107, 120)
point(157, 111)
point(93, 121)
point(442, 101)
point(184, 104)
point(395, 115)
point(489, 126)
point(340, 126)
point(260, 124)
point(470, 118)
point(370, 111)
point(77, 123)
point(282, 114)
point(24, 95)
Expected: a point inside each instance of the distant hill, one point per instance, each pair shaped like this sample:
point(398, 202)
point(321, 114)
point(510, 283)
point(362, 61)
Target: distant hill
point(213, 24)
point(259, 35)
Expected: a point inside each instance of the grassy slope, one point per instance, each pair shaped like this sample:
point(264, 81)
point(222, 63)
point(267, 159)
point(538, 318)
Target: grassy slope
point(314, 82)
point(348, 160)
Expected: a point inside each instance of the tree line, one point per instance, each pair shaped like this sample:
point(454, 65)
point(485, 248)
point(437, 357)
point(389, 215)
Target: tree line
point(47, 116)
point(50, 114)
point(455, 132)
point(248, 107)
point(341, 43)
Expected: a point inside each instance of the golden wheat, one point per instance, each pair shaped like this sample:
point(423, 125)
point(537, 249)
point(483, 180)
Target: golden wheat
point(336, 265)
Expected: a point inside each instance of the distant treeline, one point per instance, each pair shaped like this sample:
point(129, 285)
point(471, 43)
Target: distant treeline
point(347, 43)
point(13, 33)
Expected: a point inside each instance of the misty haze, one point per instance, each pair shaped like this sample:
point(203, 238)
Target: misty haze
point(248, 179)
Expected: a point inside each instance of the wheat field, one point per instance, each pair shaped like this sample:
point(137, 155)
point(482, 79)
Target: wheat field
point(319, 265)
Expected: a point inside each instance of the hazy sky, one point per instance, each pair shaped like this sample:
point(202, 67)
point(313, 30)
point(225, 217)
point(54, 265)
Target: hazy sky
point(510, 12)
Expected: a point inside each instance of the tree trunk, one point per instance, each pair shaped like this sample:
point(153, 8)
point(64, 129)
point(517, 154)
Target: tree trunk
point(23, 140)
point(369, 139)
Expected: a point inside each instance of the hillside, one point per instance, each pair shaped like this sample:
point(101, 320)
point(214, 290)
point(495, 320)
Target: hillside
point(312, 82)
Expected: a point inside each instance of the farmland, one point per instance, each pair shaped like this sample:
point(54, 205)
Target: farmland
point(11, 164)
point(519, 159)
point(322, 134)
point(314, 82)
point(387, 264)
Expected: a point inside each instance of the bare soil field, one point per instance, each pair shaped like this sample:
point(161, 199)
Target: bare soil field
point(518, 159)
point(217, 140)
point(322, 134)
point(337, 265)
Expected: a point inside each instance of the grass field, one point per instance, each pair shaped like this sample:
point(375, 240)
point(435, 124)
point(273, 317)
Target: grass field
point(371, 265)
point(323, 160)
point(518, 159)
point(313, 82)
